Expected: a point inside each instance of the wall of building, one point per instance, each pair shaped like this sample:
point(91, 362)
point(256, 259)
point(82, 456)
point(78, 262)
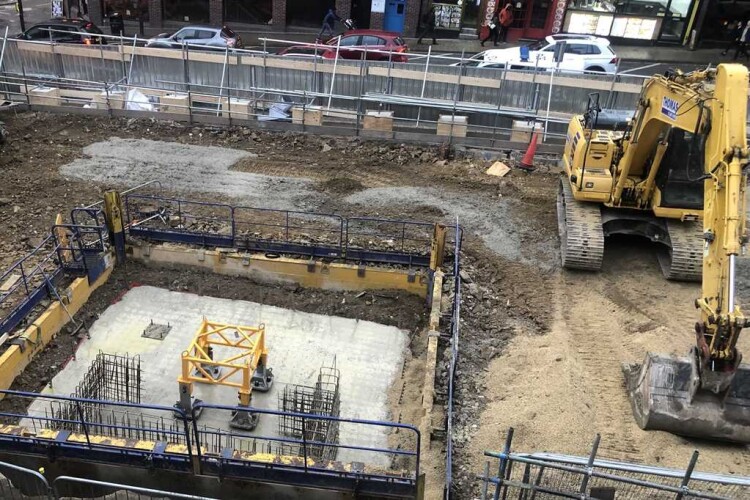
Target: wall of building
point(279, 14)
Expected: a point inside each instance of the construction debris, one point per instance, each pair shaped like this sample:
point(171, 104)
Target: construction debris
point(498, 169)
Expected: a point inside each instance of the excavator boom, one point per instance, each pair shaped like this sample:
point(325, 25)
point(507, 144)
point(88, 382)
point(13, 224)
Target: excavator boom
point(707, 393)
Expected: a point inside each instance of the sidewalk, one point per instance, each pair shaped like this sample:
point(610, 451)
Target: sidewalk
point(39, 10)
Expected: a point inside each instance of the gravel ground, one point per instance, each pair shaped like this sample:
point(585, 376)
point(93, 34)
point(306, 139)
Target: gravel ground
point(540, 349)
point(185, 168)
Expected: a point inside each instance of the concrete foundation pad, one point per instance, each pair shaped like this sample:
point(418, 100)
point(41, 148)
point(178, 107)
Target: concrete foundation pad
point(369, 356)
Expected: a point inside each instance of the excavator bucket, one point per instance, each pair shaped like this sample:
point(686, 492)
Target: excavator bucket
point(663, 397)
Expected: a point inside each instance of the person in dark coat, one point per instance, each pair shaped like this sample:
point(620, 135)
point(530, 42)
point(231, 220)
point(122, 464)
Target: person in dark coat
point(494, 31)
point(744, 40)
point(329, 22)
point(734, 30)
point(428, 25)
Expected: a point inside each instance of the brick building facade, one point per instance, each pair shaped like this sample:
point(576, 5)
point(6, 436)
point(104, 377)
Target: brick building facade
point(278, 12)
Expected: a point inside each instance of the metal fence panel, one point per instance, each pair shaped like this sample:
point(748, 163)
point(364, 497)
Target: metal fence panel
point(22, 483)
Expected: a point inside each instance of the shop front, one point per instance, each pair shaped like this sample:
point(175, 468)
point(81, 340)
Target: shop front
point(632, 20)
point(532, 19)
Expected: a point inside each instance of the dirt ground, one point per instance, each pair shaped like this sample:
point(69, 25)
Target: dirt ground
point(540, 349)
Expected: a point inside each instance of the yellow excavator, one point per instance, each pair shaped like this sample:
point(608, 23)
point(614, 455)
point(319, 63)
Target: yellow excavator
point(686, 138)
point(637, 173)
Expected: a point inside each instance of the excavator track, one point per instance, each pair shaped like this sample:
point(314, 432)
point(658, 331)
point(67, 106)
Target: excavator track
point(581, 234)
point(684, 259)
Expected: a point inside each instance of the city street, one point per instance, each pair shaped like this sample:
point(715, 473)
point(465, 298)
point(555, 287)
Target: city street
point(34, 11)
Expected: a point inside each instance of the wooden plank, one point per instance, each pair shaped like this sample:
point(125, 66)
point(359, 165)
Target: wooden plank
point(80, 94)
point(8, 284)
point(91, 51)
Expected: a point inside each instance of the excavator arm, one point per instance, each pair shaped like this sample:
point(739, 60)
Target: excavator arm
point(724, 231)
point(707, 394)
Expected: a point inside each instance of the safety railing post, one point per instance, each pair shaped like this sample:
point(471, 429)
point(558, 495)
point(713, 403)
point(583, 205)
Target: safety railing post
point(590, 465)
point(304, 443)
point(85, 428)
point(485, 480)
point(198, 452)
point(23, 277)
point(504, 458)
point(686, 479)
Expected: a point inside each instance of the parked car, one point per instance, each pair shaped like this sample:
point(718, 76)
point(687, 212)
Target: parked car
point(199, 36)
point(379, 44)
point(64, 31)
point(303, 52)
point(583, 53)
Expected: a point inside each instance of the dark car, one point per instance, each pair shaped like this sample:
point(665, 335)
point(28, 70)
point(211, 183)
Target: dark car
point(64, 31)
point(198, 36)
point(380, 46)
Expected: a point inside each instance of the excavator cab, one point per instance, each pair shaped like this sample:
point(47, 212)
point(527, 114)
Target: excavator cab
point(680, 178)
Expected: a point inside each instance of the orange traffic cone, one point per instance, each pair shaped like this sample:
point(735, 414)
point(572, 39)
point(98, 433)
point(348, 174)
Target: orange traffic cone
point(527, 162)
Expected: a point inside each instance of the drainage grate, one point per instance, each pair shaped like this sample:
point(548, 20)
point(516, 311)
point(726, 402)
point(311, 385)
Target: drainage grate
point(156, 331)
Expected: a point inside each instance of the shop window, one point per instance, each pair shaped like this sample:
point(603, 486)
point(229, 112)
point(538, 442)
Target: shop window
point(308, 13)
point(248, 11)
point(189, 11)
point(130, 10)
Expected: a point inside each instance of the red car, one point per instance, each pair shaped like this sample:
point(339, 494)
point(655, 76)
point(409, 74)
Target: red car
point(380, 46)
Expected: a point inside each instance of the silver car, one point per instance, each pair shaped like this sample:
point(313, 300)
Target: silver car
point(198, 36)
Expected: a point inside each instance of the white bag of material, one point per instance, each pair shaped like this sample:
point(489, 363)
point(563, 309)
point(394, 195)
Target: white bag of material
point(137, 101)
point(278, 111)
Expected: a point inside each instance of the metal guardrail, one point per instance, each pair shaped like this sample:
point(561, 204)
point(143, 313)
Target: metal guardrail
point(418, 90)
point(543, 475)
point(275, 232)
point(454, 339)
point(77, 487)
point(28, 282)
point(20, 483)
point(211, 449)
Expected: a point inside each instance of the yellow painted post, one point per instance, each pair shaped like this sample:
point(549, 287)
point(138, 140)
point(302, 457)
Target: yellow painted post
point(113, 213)
point(437, 248)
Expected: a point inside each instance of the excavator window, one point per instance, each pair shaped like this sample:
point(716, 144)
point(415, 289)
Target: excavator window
point(680, 176)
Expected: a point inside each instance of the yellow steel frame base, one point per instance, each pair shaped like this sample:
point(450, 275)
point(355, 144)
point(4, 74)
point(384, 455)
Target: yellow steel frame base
point(199, 358)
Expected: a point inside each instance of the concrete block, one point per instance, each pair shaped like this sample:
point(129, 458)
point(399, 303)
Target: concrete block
point(239, 108)
point(44, 96)
point(378, 120)
point(310, 115)
point(116, 100)
point(521, 131)
point(454, 126)
point(174, 103)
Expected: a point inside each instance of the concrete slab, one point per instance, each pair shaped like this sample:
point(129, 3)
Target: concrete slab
point(369, 355)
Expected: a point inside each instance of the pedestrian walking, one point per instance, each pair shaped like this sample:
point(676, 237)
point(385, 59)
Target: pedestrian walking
point(494, 30)
point(427, 28)
point(329, 21)
point(506, 19)
point(744, 40)
point(734, 31)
